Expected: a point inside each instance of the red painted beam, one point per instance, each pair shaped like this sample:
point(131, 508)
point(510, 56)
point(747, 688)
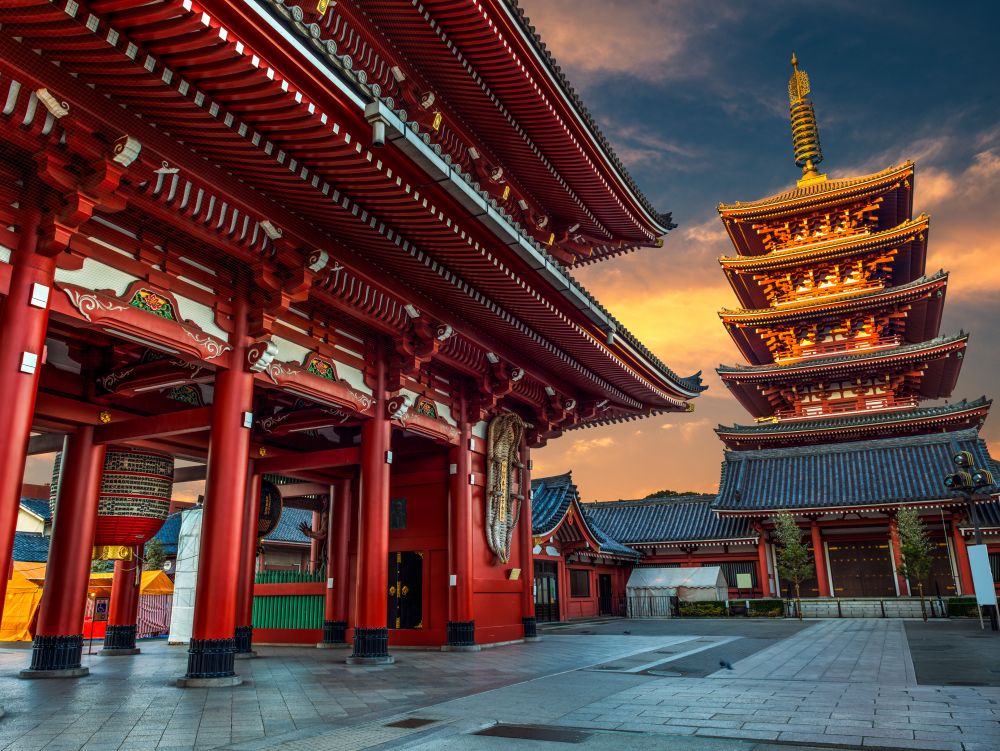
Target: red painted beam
point(311, 460)
point(156, 426)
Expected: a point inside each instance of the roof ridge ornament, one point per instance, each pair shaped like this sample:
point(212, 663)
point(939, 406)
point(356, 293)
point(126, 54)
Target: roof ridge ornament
point(805, 131)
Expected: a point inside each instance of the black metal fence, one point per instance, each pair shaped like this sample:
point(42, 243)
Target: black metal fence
point(651, 606)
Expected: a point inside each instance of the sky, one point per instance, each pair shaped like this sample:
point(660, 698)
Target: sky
point(693, 96)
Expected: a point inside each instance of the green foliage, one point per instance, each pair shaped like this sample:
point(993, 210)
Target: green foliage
point(914, 545)
point(766, 608)
point(795, 561)
point(702, 609)
point(669, 494)
point(102, 567)
point(154, 555)
point(962, 607)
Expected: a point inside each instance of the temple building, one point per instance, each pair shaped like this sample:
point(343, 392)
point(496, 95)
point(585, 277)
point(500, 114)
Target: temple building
point(840, 328)
point(327, 242)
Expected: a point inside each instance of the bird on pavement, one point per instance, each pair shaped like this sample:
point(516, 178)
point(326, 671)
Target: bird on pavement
point(724, 664)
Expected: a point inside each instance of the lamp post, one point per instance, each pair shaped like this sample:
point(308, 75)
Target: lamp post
point(966, 481)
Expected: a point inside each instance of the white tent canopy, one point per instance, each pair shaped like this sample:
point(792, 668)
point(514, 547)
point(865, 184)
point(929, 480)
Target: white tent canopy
point(688, 584)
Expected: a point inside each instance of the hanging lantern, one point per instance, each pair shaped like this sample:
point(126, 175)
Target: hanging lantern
point(134, 498)
point(269, 511)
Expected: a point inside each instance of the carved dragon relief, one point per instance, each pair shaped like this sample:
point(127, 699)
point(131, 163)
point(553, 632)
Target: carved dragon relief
point(502, 462)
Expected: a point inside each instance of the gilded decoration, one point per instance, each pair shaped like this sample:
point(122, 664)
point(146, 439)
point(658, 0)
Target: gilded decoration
point(322, 368)
point(503, 467)
point(426, 407)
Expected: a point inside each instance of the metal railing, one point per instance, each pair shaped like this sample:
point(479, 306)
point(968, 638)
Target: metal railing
point(651, 606)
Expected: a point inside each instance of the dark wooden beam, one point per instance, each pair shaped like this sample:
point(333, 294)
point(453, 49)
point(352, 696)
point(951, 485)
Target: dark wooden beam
point(299, 489)
point(190, 474)
point(46, 443)
point(155, 426)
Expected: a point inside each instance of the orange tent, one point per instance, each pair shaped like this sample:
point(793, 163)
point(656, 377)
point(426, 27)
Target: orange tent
point(19, 608)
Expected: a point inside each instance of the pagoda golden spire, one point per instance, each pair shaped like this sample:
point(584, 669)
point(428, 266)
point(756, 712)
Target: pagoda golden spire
point(805, 132)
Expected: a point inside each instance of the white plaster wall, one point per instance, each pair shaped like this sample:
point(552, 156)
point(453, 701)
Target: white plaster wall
point(186, 578)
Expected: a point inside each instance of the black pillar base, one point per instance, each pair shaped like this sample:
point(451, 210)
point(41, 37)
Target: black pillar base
point(119, 637)
point(530, 628)
point(461, 633)
point(56, 653)
point(334, 632)
point(371, 647)
point(244, 639)
point(211, 658)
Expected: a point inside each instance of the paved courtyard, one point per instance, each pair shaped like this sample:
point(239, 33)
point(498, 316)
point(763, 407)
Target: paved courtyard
point(635, 684)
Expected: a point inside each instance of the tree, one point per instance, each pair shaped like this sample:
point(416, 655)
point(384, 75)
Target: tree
point(669, 494)
point(916, 551)
point(795, 562)
point(101, 567)
point(154, 555)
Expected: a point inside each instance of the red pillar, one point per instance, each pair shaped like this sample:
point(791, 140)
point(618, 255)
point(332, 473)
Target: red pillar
point(961, 558)
point(248, 559)
point(371, 635)
point(822, 579)
point(338, 561)
point(58, 636)
point(527, 557)
point(213, 646)
point(902, 586)
point(123, 611)
point(461, 621)
point(762, 576)
point(22, 330)
point(314, 544)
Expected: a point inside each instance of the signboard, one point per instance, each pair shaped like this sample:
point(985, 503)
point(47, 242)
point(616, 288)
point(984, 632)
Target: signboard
point(269, 511)
point(744, 581)
point(982, 576)
point(101, 605)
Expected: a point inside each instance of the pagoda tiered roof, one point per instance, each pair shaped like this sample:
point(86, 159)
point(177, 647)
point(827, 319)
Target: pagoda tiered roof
point(937, 361)
point(871, 475)
point(893, 185)
point(907, 243)
point(856, 426)
point(922, 300)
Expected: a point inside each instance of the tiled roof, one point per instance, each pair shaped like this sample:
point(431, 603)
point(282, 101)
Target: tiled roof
point(31, 546)
point(862, 418)
point(817, 189)
point(38, 507)
point(286, 531)
point(288, 526)
point(168, 533)
point(677, 519)
point(822, 362)
point(878, 472)
point(989, 513)
point(550, 500)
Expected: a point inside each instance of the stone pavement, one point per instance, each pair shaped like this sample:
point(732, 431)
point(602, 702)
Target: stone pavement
point(836, 683)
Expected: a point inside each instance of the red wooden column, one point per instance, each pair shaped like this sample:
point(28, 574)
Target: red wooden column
point(961, 557)
point(527, 557)
point(902, 586)
point(819, 557)
point(461, 613)
point(248, 559)
point(315, 553)
point(123, 612)
point(58, 640)
point(762, 577)
point(371, 634)
point(338, 561)
point(23, 322)
point(212, 650)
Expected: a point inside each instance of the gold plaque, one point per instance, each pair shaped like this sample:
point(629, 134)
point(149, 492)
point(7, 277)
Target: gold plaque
point(515, 574)
point(112, 553)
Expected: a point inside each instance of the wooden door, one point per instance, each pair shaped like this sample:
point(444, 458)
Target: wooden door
point(604, 602)
point(546, 591)
point(406, 601)
point(861, 569)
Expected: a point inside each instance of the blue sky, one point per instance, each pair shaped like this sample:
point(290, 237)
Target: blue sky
point(693, 96)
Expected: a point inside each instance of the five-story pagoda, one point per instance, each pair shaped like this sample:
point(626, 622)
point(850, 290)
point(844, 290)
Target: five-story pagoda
point(840, 326)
